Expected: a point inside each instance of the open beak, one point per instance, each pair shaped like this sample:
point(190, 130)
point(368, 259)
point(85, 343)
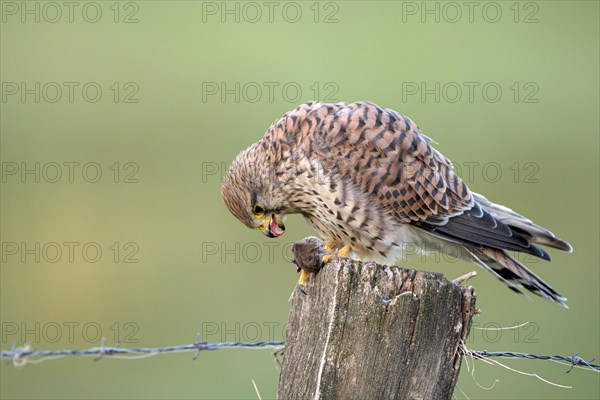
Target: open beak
point(273, 227)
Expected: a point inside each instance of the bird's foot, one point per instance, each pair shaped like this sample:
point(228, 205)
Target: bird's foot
point(329, 246)
point(343, 252)
point(302, 281)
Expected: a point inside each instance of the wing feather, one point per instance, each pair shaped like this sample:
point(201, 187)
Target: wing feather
point(388, 158)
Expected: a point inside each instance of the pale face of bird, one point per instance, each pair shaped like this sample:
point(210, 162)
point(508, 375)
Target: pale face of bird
point(251, 197)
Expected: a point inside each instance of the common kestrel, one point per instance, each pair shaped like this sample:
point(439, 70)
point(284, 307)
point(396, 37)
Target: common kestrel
point(370, 183)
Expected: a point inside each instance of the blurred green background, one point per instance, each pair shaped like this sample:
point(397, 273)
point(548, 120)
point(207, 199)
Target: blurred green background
point(179, 101)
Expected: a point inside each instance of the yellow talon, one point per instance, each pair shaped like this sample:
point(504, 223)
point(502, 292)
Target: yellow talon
point(302, 281)
point(327, 258)
point(303, 277)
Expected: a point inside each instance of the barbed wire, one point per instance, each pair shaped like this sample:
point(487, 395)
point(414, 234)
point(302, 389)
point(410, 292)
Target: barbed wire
point(19, 356)
point(574, 359)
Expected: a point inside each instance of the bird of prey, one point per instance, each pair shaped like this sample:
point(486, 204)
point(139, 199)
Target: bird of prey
point(370, 183)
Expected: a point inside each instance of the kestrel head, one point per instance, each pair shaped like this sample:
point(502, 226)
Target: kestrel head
point(250, 195)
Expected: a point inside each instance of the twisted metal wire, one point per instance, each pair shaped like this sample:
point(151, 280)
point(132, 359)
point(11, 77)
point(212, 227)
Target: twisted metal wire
point(573, 359)
point(19, 355)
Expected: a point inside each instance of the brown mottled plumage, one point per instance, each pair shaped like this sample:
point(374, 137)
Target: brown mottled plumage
point(367, 180)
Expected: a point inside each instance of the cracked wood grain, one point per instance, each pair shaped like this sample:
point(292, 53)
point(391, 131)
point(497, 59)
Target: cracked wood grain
point(367, 331)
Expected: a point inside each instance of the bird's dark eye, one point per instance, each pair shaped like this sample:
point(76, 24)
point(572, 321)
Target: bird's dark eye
point(258, 210)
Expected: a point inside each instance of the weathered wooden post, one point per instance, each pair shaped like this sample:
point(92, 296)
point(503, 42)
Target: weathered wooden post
point(366, 331)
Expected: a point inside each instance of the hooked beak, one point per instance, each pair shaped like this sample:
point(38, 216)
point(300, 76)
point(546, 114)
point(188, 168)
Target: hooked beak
point(272, 227)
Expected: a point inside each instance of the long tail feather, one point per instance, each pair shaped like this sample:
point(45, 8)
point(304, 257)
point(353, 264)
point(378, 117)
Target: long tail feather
point(514, 274)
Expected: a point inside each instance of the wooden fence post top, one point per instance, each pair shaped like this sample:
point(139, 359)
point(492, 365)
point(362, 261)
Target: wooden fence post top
point(368, 331)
